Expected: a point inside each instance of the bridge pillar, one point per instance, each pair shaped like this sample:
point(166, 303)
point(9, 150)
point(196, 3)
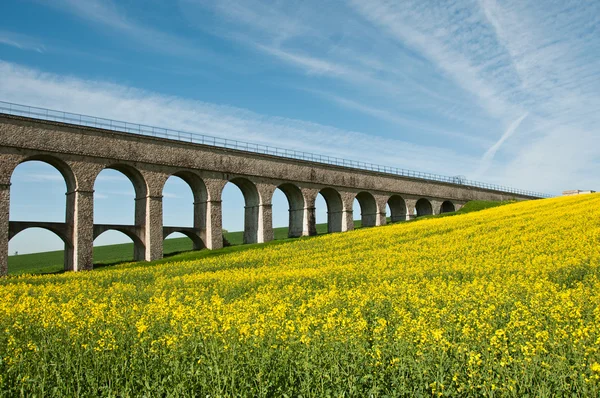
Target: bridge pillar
point(265, 212)
point(309, 221)
point(214, 214)
point(251, 220)
point(4, 227)
point(296, 222)
point(214, 225)
point(436, 206)
point(265, 223)
point(347, 213)
point(152, 228)
point(411, 206)
point(79, 254)
point(347, 220)
point(309, 217)
point(200, 223)
point(368, 220)
point(381, 202)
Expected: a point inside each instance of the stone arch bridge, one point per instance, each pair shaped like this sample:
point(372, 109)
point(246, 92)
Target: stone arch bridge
point(80, 153)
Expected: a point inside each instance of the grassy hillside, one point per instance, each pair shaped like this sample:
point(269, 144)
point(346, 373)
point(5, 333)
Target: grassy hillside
point(49, 262)
point(499, 302)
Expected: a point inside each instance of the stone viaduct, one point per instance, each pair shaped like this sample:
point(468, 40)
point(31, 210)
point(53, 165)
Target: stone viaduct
point(80, 153)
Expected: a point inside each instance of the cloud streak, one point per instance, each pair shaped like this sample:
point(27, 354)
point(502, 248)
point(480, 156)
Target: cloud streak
point(29, 86)
point(22, 42)
point(488, 156)
point(473, 66)
point(107, 14)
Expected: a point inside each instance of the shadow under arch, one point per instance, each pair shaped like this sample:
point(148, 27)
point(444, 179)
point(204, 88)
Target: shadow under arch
point(397, 208)
point(423, 207)
point(335, 208)
point(251, 208)
point(447, 207)
point(368, 209)
point(296, 204)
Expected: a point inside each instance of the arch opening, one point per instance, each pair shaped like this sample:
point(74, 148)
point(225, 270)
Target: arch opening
point(184, 205)
point(181, 241)
point(178, 203)
point(119, 211)
point(232, 216)
point(129, 248)
point(290, 197)
point(39, 194)
point(397, 207)
point(447, 207)
point(423, 208)
point(38, 190)
point(368, 209)
point(335, 207)
point(118, 197)
point(49, 255)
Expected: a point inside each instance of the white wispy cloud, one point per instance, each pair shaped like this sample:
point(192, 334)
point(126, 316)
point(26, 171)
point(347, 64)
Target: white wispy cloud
point(28, 86)
point(112, 178)
point(488, 156)
point(171, 195)
point(516, 58)
point(20, 41)
point(111, 15)
point(458, 72)
point(327, 41)
point(43, 177)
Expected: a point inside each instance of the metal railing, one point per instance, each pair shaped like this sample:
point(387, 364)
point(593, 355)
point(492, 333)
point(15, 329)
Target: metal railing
point(141, 129)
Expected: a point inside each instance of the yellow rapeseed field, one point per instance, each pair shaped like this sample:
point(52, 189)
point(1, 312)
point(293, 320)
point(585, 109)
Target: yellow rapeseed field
point(502, 302)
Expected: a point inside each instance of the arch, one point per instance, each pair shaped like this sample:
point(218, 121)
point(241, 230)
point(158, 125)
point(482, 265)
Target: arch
point(54, 259)
point(138, 250)
point(135, 176)
point(447, 207)
point(65, 205)
point(296, 206)
point(63, 168)
point(423, 207)
point(251, 208)
point(59, 229)
point(368, 209)
point(397, 208)
point(335, 207)
point(195, 182)
point(140, 192)
point(199, 195)
point(195, 240)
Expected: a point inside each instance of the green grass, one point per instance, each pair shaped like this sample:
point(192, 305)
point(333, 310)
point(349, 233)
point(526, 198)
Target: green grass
point(51, 262)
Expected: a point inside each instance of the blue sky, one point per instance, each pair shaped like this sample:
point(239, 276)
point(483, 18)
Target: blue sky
point(504, 92)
